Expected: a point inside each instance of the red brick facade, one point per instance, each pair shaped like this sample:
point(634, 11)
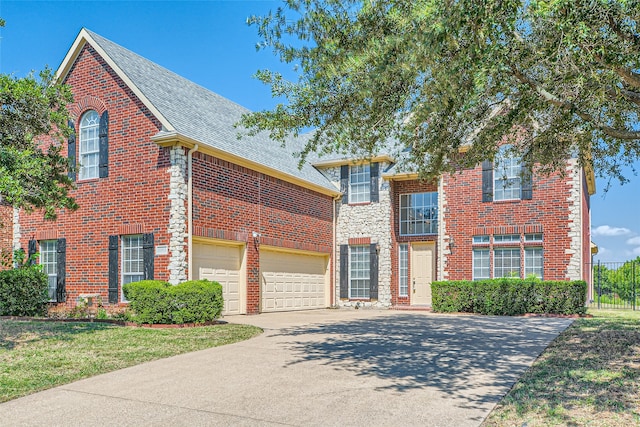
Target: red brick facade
point(230, 202)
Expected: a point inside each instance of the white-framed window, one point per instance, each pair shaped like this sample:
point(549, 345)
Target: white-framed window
point(132, 259)
point(418, 214)
point(359, 269)
point(507, 173)
point(481, 239)
point(506, 262)
point(533, 262)
point(506, 238)
point(89, 152)
point(403, 270)
point(533, 237)
point(360, 183)
point(49, 263)
point(481, 266)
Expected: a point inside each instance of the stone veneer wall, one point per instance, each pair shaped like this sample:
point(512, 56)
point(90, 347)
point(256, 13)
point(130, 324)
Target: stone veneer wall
point(369, 220)
point(178, 216)
point(574, 251)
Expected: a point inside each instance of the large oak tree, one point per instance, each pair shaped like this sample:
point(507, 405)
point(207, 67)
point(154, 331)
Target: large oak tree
point(557, 78)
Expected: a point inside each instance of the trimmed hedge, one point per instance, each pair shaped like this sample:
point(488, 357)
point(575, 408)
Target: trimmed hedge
point(157, 302)
point(510, 297)
point(23, 292)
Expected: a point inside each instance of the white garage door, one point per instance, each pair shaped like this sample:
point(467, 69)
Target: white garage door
point(222, 264)
point(292, 281)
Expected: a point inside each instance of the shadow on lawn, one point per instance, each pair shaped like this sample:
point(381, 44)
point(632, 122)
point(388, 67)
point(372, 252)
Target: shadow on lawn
point(14, 333)
point(476, 359)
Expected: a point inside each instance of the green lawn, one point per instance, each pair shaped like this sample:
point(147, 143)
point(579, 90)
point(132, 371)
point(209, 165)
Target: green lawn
point(590, 375)
point(39, 355)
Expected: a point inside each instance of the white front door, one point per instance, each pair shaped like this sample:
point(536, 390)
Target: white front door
point(422, 268)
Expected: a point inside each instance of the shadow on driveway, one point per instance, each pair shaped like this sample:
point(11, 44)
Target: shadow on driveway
point(465, 357)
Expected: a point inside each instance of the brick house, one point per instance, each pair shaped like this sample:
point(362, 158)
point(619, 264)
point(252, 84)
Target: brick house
point(167, 191)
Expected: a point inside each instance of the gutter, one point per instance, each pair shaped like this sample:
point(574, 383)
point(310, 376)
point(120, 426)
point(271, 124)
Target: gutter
point(190, 210)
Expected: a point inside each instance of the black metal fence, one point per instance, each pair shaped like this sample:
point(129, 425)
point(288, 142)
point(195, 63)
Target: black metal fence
point(615, 285)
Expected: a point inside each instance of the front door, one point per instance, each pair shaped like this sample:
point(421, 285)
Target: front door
point(422, 267)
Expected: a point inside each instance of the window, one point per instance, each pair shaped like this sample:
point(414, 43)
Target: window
point(506, 238)
point(481, 239)
point(506, 175)
point(534, 237)
point(533, 262)
point(506, 262)
point(359, 266)
point(481, 268)
point(89, 145)
point(49, 262)
point(132, 259)
point(403, 270)
point(359, 183)
point(418, 214)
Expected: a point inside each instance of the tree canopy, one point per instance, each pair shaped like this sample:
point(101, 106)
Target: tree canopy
point(555, 78)
point(33, 125)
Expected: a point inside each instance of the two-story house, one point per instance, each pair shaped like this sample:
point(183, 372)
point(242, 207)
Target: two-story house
point(167, 191)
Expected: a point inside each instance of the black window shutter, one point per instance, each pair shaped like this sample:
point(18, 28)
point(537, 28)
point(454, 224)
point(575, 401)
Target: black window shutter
point(147, 248)
point(61, 271)
point(113, 269)
point(31, 251)
point(527, 184)
point(71, 152)
point(344, 183)
point(374, 170)
point(487, 181)
point(103, 133)
point(373, 271)
point(344, 271)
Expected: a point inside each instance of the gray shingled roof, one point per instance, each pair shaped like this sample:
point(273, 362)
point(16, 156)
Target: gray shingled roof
point(204, 116)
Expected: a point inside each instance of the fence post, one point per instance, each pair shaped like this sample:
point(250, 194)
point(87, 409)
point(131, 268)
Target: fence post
point(599, 288)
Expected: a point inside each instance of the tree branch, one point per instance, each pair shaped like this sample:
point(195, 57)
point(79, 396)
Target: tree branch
point(628, 94)
point(569, 106)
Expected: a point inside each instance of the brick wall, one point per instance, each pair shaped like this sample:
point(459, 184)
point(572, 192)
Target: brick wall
point(132, 198)
point(466, 215)
point(232, 202)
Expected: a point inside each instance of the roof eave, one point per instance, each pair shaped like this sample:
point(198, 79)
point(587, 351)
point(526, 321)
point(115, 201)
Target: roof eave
point(172, 139)
point(353, 161)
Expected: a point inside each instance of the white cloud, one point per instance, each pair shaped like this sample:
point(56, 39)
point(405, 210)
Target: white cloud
point(634, 241)
point(605, 230)
point(603, 251)
point(636, 251)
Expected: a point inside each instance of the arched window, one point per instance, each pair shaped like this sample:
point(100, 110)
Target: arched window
point(89, 145)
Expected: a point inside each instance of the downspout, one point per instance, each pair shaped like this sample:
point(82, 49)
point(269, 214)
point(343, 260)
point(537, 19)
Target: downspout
point(336, 273)
point(190, 209)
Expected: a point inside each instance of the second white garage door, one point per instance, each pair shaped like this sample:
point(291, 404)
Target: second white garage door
point(292, 281)
point(222, 264)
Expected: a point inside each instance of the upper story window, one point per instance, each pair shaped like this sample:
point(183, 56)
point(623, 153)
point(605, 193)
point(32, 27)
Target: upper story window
point(506, 175)
point(359, 183)
point(89, 151)
point(418, 214)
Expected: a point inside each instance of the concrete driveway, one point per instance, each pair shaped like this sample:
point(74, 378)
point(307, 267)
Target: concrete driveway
point(323, 367)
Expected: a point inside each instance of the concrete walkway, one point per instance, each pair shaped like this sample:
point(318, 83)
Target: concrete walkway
point(324, 367)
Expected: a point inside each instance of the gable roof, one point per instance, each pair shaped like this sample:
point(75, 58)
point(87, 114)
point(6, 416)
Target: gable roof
point(196, 114)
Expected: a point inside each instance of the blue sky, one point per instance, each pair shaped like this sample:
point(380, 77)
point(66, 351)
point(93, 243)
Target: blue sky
point(209, 43)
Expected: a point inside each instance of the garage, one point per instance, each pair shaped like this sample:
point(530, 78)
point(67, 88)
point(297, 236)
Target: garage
point(222, 263)
point(293, 281)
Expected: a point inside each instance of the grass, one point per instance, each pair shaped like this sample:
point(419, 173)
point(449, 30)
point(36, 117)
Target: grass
point(39, 355)
point(588, 376)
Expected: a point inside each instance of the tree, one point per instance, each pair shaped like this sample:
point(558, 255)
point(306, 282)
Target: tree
point(556, 78)
point(33, 125)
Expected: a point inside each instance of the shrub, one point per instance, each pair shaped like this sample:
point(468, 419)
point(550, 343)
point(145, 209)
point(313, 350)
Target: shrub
point(23, 292)
point(153, 301)
point(509, 297)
